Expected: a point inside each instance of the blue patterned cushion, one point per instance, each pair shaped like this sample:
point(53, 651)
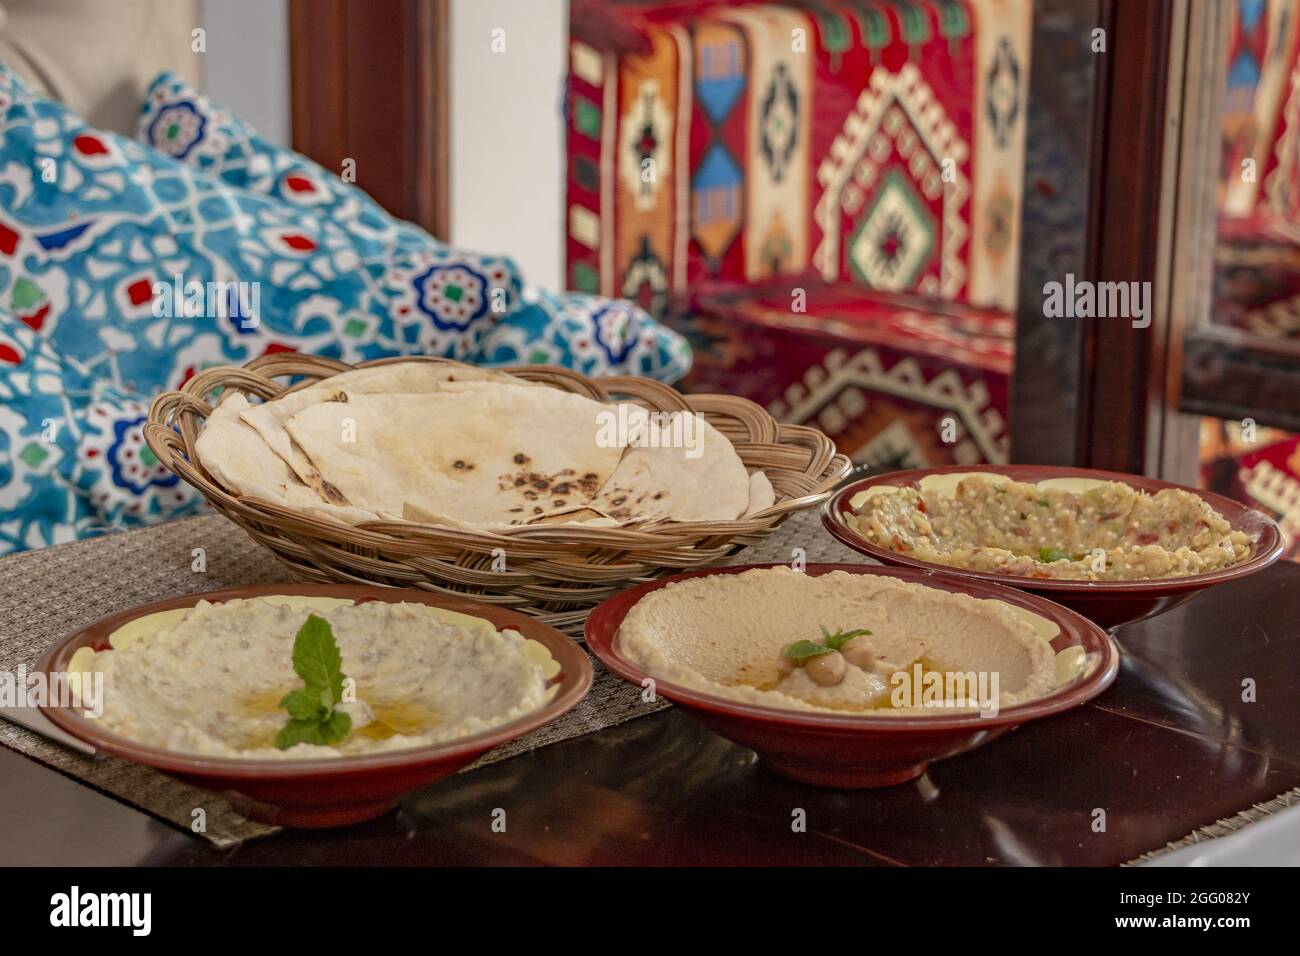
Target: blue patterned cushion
point(94, 226)
point(72, 458)
point(594, 335)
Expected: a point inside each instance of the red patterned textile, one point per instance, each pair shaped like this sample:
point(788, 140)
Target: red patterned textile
point(717, 141)
point(894, 382)
point(875, 142)
point(1260, 467)
point(1257, 260)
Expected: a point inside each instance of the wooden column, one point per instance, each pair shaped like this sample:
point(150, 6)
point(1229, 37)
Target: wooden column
point(369, 83)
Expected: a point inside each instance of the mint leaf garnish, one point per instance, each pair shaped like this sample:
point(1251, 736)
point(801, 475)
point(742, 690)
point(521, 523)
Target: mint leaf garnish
point(316, 657)
point(337, 727)
point(305, 704)
point(312, 717)
point(802, 650)
point(840, 638)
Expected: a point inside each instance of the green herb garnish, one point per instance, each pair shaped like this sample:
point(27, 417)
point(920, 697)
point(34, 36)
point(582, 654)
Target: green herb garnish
point(802, 650)
point(840, 638)
point(1049, 555)
point(1042, 503)
point(312, 717)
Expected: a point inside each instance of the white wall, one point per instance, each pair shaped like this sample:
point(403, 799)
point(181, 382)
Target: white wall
point(246, 68)
point(507, 144)
point(507, 131)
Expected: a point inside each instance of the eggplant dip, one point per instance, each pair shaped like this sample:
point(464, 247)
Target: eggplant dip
point(1083, 530)
point(294, 678)
point(840, 642)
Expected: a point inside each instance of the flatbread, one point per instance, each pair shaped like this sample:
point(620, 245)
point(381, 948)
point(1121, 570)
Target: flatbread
point(476, 449)
point(761, 494)
point(583, 517)
point(684, 469)
point(239, 459)
point(503, 455)
point(405, 377)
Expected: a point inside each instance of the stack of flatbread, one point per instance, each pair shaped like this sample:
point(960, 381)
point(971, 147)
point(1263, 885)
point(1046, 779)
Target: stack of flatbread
point(469, 448)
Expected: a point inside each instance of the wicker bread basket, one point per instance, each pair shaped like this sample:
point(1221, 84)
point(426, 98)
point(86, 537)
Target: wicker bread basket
point(556, 572)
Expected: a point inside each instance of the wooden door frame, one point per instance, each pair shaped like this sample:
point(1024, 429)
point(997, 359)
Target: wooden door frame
point(1226, 371)
point(1100, 392)
point(1123, 407)
point(369, 83)
point(1198, 77)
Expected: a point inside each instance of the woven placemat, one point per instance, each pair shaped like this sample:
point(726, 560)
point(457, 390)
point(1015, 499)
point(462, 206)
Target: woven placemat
point(49, 593)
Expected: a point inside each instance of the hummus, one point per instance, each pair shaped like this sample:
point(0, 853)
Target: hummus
point(744, 637)
point(1098, 531)
point(210, 680)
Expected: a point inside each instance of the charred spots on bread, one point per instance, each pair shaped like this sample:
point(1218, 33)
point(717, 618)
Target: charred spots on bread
point(545, 493)
point(332, 493)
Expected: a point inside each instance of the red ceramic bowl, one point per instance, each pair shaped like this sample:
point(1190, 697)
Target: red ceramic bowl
point(324, 792)
point(1109, 603)
point(830, 750)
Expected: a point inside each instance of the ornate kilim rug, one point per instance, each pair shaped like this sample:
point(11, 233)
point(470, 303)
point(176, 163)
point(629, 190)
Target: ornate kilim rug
point(881, 144)
point(1259, 466)
point(895, 383)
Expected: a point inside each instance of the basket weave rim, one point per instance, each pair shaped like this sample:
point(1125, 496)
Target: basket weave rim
point(171, 429)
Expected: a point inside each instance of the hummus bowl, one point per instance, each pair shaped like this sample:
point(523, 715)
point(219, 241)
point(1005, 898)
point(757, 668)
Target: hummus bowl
point(1116, 548)
point(731, 647)
point(501, 673)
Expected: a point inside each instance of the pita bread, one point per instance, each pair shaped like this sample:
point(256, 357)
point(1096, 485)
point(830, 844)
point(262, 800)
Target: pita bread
point(578, 516)
point(761, 494)
point(504, 455)
point(702, 479)
point(240, 460)
point(475, 449)
point(406, 377)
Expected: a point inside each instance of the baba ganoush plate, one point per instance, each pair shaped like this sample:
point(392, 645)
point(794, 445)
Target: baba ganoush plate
point(320, 703)
point(1115, 547)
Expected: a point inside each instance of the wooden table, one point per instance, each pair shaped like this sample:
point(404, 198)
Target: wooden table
point(1169, 748)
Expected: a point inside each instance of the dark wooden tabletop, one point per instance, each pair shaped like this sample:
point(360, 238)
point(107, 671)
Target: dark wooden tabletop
point(1172, 746)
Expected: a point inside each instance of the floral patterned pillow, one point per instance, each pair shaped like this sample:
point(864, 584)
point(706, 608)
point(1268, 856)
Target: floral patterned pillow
point(72, 458)
point(145, 269)
point(593, 334)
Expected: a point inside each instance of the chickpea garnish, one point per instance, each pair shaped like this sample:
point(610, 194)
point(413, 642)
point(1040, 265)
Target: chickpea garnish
point(826, 670)
point(859, 653)
point(823, 660)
